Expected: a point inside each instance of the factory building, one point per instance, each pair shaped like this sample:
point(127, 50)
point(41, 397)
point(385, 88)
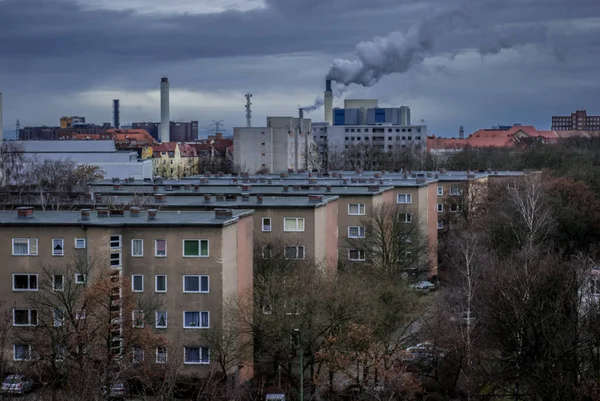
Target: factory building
point(179, 131)
point(284, 144)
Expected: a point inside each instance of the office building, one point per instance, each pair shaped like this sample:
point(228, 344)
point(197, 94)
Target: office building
point(179, 131)
point(578, 121)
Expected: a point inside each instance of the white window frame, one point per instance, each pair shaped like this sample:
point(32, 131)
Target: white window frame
point(28, 317)
point(58, 320)
point(156, 283)
point(200, 312)
point(30, 241)
point(62, 246)
point(80, 239)
point(267, 228)
point(440, 191)
point(54, 282)
point(77, 281)
point(200, 362)
point(407, 218)
point(15, 352)
point(407, 199)
point(440, 224)
point(297, 247)
point(199, 276)
point(156, 255)
point(37, 281)
point(456, 209)
point(133, 358)
point(361, 209)
point(359, 259)
point(440, 207)
point(165, 353)
point(133, 276)
point(199, 248)
point(297, 219)
point(359, 228)
point(119, 242)
point(455, 191)
point(133, 320)
point(80, 314)
point(156, 319)
point(133, 241)
point(119, 260)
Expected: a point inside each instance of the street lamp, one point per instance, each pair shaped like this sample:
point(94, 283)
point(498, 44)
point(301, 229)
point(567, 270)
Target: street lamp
point(297, 331)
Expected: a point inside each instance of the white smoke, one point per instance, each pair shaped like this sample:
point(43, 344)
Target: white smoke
point(398, 52)
point(338, 92)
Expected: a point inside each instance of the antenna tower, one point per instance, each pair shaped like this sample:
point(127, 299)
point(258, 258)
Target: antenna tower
point(218, 125)
point(18, 128)
point(248, 110)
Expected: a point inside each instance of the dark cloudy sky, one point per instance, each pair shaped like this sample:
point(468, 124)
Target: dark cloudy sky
point(497, 62)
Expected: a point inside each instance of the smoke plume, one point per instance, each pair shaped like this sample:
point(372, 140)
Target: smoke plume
point(338, 92)
point(398, 52)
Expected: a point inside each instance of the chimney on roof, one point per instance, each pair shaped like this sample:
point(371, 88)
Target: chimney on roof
point(24, 212)
point(187, 186)
point(296, 187)
point(315, 198)
point(102, 212)
point(152, 214)
point(259, 199)
point(345, 181)
point(155, 188)
point(134, 211)
point(328, 188)
point(196, 188)
point(246, 188)
point(85, 214)
point(234, 180)
point(206, 198)
point(429, 175)
point(245, 198)
point(220, 198)
point(160, 198)
point(286, 188)
point(223, 213)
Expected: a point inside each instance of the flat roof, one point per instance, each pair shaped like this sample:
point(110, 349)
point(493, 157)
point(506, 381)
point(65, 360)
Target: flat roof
point(252, 202)
point(71, 218)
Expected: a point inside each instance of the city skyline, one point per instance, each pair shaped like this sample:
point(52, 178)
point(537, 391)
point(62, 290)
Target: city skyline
point(491, 63)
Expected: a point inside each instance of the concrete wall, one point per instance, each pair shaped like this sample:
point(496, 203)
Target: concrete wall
point(253, 148)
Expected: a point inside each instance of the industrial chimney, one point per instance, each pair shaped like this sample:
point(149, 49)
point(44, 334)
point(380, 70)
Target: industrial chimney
point(1, 131)
point(165, 126)
point(116, 114)
point(328, 103)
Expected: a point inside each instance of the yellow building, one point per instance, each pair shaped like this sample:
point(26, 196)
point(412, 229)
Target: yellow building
point(174, 160)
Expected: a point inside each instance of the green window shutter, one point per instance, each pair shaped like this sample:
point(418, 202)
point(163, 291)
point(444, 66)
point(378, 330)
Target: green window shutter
point(190, 248)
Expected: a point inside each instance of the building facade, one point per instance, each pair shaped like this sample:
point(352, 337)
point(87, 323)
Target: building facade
point(578, 121)
point(179, 131)
point(189, 264)
point(174, 160)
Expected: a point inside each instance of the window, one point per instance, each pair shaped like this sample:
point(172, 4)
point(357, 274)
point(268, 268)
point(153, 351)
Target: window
point(406, 217)
point(25, 246)
point(404, 198)
point(25, 282)
point(137, 318)
point(79, 243)
point(59, 353)
point(356, 209)
point(161, 319)
point(160, 283)
point(440, 191)
point(195, 248)
point(455, 208)
point(440, 207)
point(294, 252)
point(440, 224)
point(21, 352)
point(115, 242)
point(137, 354)
point(267, 251)
point(115, 259)
point(137, 283)
point(160, 248)
point(58, 282)
point(24, 317)
point(358, 130)
point(455, 191)
point(59, 318)
point(80, 278)
point(195, 283)
point(196, 320)
point(80, 314)
point(137, 248)
point(356, 232)
point(161, 355)
point(293, 224)
point(356, 255)
point(196, 355)
point(58, 247)
point(266, 224)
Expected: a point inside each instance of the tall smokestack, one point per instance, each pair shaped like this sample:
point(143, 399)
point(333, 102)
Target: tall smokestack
point(116, 114)
point(165, 126)
point(328, 103)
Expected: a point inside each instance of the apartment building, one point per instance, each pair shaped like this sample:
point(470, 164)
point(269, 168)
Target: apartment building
point(189, 264)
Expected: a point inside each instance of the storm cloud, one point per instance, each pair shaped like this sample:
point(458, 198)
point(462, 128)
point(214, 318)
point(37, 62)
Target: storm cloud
point(60, 57)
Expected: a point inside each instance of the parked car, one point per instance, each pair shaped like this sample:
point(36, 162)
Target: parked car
point(118, 390)
point(17, 384)
point(424, 286)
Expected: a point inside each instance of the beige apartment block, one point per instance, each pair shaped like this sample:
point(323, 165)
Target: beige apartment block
point(189, 264)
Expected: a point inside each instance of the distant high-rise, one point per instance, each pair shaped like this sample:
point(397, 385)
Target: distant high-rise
point(578, 121)
point(328, 103)
point(165, 134)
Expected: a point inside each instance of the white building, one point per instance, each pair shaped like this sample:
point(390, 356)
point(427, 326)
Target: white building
point(284, 144)
point(114, 163)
